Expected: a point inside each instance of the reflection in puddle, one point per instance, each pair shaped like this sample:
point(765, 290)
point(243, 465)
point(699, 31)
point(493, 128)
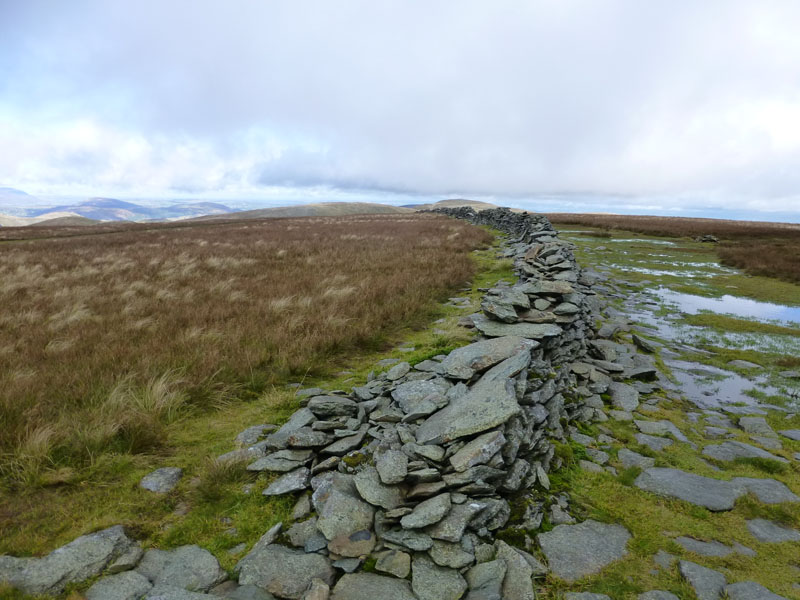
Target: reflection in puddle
point(733, 305)
point(672, 272)
point(659, 242)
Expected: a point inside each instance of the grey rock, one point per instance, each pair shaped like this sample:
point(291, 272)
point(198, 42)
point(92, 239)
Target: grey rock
point(84, 557)
point(713, 494)
point(767, 442)
point(768, 532)
point(597, 456)
point(664, 559)
point(294, 481)
point(325, 407)
point(188, 567)
point(299, 419)
point(408, 395)
point(485, 580)
point(432, 582)
point(171, 592)
point(712, 548)
point(302, 508)
point(590, 466)
point(319, 590)
point(792, 434)
point(662, 427)
point(533, 331)
point(251, 435)
point(750, 590)
point(486, 405)
point(757, 426)
point(731, 450)
point(790, 374)
point(392, 466)
point(282, 461)
point(622, 415)
point(369, 485)
point(657, 595)
point(123, 586)
point(623, 396)
point(478, 451)
point(413, 540)
point(398, 371)
point(629, 458)
point(498, 308)
point(394, 562)
point(517, 583)
point(340, 510)
point(716, 432)
point(162, 480)
point(707, 583)
point(743, 364)
point(768, 491)
point(345, 444)
point(369, 586)
point(585, 596)
point(451, 528)
point(464, 362)
point(427, 512)
point(447, 554)
point(359, 543)
point(284, 572)
point(574, 551)
point(656, 444)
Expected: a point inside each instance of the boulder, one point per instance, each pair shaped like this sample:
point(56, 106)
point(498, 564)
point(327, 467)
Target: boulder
point(129, 585)
point(188, 567)
point(161, 480)
point(284, 572)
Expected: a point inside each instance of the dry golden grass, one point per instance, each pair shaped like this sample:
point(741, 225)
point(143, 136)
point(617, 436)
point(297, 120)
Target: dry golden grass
point(757, 247)
point(108, 334)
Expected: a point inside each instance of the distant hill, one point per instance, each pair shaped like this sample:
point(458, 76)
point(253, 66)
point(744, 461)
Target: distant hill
point(454, 203)
point(321, 209)
point(71, 221)
point(111, 209)
point(13, 197)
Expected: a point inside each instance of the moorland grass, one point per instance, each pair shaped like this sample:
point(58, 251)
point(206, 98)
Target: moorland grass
point(109, 336)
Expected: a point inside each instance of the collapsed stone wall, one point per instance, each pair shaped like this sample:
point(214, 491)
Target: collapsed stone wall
point(413, 472)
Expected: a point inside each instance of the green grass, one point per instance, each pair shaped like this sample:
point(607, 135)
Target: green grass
point(732, 324)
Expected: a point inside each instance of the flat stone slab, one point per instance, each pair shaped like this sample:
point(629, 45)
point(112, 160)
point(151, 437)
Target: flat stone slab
point(368, 586)
point(285, 572)
point(629, 458)
point(129, 585)
point(574, 551)
point(768, 532)
point(713, 494)
point(162, 480)
point(731, 450)
point(657, 595)
point(655, 443)
point(623, 396)
point(188, 567)
point(662, 427)
point(294, 481)
point(792, 434)
point(464, 362)
point(585, 596)
point(757, 426)
point(712, 548)
point(532, 331)
point(707, 583)
point(768, 491)
point(750, 590)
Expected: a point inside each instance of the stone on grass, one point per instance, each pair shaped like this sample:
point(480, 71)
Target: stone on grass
point(464, 362)
point(750, 590)
point(768, 532)
point(590, 466)
point(162, 480)
point(369, 586)
point(585, 596)
point(427, 512)
point(731, 450)
point(768, 491)
point(655, 443)
point(188, 567)
point(662, 427)
point(792, 434)
point(574, 551)
point(517, 583)
point(757, 426)
point(398, 371)
point(172, 592)
point(707, 583)
point(285, 572)
point(123, 586)
point(629, 459)
point(712, 548)
point(657, 595)
point(713, 494)
point(332, 406)
point(432, 582)
point(623, 396)
point(282, 461)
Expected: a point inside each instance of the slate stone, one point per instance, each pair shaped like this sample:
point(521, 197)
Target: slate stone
point(294, 481)
point(712, 548)
point(517, 583)
point(427, 512)
point(369, 486)
point(369, 586)
point(662, 427)
point(464, 362)
point(432, 582)
point(251, 435)
point(750, 590)
point(713, 494)
point(533, 331)
point(499, 308)
point(358, 543)
point(757, 426)
point(656, 444)
point(188, 567)
point(408, 395)
point(731, 450)
point(657, 595)
point(792, 434)
point(447, 554)
point(623, 396)
point(486, 405)
point(707, 583)
point(300, 418)
point(392, 466)
point(478, 451)
point(411, 539)
point(285, 572)
point(340, 511)
point(171, 592)
point(162, 480)
point(585, 596)
point(590, 466)
point(282, 461)
point(129, 585)
point(398, 371)
point(325, 407)
point(485, 580)
point(574, 551)
point(768, 532)
point(451, 528)
point(629, 458)
point(394, 562)
point(84, 557)
point(768, 491)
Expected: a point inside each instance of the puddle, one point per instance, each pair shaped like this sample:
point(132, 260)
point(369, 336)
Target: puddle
point(634, 240)
point(665, 273)
point(731, 305)
point(712, 388)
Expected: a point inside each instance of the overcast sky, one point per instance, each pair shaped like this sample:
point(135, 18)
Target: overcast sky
point(666, 103)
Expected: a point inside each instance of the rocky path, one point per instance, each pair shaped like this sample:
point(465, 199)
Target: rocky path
point(433, 481)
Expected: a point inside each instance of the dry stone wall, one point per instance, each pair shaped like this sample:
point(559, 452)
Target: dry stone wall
point(403, 483)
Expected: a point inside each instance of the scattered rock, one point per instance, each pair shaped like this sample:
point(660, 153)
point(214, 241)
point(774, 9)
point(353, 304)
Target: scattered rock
point(161, 480)
point(702, 548)
point(188, 567)
point(123, 586)
point(368, 586)
point(750, 590)
point(284, 572)
point(623, 396)
point(574, 551)
point(707, 583)
point(768, 532)
point(294, 481)
point(713, 494)
point(629, 458)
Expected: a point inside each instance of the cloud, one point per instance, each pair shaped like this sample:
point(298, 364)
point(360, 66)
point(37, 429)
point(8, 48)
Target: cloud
point(674, 99)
